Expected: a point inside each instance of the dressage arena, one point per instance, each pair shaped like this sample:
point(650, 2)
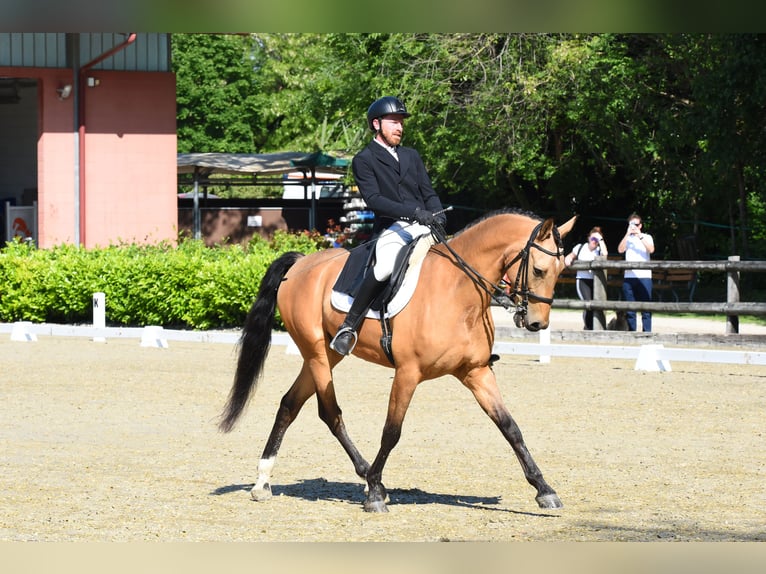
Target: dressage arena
point(115, 441)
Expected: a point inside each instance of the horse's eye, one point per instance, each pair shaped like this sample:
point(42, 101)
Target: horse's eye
point(538, 272)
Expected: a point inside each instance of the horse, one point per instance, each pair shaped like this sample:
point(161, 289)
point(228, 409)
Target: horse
point(445, 329)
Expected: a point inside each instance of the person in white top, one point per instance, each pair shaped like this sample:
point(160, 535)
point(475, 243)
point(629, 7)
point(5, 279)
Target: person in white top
point(593, 247)
point(637, 283)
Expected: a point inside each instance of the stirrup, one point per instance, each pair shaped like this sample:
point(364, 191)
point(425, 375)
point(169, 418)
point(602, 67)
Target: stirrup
point(344, 341)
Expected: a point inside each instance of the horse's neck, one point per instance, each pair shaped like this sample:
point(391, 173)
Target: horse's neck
point(488, 244)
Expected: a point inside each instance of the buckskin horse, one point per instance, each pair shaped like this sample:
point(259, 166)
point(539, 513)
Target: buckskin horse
point(441, 331)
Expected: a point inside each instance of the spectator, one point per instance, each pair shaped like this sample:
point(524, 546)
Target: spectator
point(593, 247)
point(637, 283)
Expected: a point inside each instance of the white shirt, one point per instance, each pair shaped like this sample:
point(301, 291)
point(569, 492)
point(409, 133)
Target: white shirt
point(635, 250)
point(389, 149)
point(585, 254)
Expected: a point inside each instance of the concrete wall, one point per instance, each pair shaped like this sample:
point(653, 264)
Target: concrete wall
point(129, 153)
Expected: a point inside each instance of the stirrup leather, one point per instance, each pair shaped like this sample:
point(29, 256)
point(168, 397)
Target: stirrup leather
point(340, 337)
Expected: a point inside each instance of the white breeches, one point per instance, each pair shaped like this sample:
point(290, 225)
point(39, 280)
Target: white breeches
point(391, 241)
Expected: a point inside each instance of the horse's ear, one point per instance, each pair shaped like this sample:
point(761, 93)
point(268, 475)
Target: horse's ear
point(546, 229)
point(567, 227)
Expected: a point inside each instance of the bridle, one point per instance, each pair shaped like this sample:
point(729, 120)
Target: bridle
point(521, 293)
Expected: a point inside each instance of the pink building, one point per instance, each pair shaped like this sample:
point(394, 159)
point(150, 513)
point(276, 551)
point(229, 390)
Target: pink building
point(88, 136)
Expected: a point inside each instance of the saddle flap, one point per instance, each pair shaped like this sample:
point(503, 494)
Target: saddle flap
point(408, 258)
point(401, 286)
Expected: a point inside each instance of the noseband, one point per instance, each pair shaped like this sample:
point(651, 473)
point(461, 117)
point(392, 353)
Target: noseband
point(521, 293)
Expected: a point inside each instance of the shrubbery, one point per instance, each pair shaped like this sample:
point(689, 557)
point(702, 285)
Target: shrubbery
point(188, 286)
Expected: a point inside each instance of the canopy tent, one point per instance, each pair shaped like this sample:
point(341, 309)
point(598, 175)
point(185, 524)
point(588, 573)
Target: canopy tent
point(258, 163)
point(203, 165)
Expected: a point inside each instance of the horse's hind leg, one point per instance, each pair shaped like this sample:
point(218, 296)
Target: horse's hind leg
point(313, 378)
point(289, 407)
point(483, 385)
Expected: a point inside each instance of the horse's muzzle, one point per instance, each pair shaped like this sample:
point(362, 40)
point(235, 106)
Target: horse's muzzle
point(520, 319)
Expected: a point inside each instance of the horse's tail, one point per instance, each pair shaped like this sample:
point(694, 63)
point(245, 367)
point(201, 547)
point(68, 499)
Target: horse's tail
point(255, 340)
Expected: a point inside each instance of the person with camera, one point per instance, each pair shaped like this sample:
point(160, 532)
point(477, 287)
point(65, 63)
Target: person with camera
point(637, 283)
point(595, 246)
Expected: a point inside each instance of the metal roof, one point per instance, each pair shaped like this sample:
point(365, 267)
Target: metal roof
point(149, 53)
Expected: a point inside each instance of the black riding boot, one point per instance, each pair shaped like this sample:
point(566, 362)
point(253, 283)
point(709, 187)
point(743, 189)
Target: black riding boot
point(345, 339)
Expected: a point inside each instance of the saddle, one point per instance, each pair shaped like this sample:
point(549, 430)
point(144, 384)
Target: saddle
point(397, 292)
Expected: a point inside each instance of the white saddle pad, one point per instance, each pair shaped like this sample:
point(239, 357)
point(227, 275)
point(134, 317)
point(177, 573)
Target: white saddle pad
point(342, 301)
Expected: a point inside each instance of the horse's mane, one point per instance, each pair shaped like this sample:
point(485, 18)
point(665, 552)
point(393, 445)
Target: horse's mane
point(502, 211)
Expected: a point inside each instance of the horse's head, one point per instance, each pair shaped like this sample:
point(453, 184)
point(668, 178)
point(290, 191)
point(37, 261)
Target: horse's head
point(540, 262)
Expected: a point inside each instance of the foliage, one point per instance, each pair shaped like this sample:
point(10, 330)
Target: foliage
point(669, 125)
point(189, 286)
point(217, 103)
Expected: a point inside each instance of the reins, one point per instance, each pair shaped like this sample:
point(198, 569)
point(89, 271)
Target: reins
point(521, 293)
point(478, 279)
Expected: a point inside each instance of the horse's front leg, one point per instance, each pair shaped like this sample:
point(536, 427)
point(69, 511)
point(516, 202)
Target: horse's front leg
point(484, 387)
point(331, 414)
point(398, 402)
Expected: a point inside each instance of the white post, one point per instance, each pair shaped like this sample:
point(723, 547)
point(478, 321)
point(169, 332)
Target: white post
point(99, 315)
point(545, 341)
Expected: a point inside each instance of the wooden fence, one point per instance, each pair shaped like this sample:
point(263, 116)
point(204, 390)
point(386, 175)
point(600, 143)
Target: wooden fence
point(733, 307)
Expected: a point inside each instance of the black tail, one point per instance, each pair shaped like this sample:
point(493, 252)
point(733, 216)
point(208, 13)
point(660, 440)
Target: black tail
point(255, 340)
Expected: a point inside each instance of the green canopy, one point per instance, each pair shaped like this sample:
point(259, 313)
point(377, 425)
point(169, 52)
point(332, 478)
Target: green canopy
point(202, 165)
point(206, 164)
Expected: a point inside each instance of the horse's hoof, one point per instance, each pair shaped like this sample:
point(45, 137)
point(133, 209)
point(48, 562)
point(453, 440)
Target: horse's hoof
point(375, 506)
point(261, 494)
point(549, 501)
point(386, 498)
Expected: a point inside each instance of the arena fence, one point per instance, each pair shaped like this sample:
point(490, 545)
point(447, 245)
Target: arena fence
point(732, 308)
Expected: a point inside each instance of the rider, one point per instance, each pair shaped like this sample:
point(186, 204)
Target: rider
point(395, 185)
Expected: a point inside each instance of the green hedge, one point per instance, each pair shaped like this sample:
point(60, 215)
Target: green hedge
point(188, 286)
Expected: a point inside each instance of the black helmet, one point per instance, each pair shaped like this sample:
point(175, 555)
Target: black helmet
point(384, 106)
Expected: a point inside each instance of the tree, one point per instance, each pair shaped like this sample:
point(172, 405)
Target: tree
point(730, 90)
point(670, 125)
point(217, 93)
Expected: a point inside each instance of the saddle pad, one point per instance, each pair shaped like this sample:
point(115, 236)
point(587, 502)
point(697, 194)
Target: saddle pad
point(342, 301)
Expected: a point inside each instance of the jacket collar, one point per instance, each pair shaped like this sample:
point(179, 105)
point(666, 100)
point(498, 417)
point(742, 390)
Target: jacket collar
point(385, 156)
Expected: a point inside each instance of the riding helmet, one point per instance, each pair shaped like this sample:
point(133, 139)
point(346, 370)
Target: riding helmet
point(384, 106)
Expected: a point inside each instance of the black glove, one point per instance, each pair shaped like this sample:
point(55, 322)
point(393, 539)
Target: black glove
point(424, 217)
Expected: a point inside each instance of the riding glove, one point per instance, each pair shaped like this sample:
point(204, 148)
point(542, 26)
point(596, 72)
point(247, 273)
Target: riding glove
point(423, 216)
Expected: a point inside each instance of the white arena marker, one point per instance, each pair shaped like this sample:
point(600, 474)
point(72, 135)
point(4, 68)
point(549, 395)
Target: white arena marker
point(99, 314)
point(21, 332)
point(153, 336)
point(648, 359)
point(545, 340)
point(292, 348)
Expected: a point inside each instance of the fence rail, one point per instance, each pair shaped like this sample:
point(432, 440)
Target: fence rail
point(732, 308)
